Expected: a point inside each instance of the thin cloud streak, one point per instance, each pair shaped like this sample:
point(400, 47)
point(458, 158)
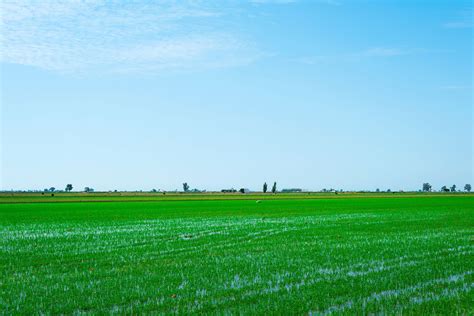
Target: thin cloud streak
point(372, 53)
point(382, 52)
point(464, 20)
point(456, 87)
point(458, 25)
point(329, 2)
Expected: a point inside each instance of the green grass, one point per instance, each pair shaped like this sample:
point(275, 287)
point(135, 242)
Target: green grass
point(344, 255)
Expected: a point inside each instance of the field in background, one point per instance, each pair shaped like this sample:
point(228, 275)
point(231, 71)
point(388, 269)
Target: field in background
point(16, 197)
point(316, 253)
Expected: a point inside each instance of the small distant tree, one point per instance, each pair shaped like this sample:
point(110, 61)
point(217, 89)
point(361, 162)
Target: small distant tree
point(378, 190)
point(388, 190)
point(52, 189)
point(426, 187)
point(87, 189)
point(444, 189)
point(274, 187)
point(265, 187)
point(453, 188)
point(68, 188)
point(467, 187)
point(185, 187)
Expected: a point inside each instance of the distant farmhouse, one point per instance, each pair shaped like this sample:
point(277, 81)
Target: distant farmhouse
point(242, 190)
point(293, 190)
point(228, 190)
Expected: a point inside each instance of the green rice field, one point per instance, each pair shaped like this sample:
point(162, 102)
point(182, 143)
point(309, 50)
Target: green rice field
point(205, 254)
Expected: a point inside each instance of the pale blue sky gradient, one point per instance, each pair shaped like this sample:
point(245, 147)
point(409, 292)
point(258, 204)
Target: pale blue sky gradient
point(312, 94)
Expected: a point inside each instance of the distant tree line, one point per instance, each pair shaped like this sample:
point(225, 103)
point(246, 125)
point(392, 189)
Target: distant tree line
point(68, 188)
point(428, 188)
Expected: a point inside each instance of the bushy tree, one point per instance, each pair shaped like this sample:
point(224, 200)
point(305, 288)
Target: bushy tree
point(185, 187)
point(68, 188)
point(87, 189)
point(453, 188)
point(265, 187)
point(467, 187)
point(426, 187)
point(444, 189)
point(52, 189)
point(274, 187)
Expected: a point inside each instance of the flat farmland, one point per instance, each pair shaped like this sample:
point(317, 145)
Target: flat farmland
point(351, 254)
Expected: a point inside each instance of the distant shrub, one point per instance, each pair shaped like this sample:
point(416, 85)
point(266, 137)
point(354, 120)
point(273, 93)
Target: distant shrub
point(426, 187)
point(185, 187)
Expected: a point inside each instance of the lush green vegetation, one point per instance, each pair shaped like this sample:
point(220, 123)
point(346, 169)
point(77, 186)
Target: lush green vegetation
point(316, 255)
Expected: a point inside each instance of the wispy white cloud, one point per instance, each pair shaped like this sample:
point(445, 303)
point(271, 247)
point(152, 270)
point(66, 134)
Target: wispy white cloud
point(87, 35)
point(272, 1)
point(464, 19)
point(458, 24)
point(382, 52)
point(372, 52)
point(330, 2)
point(456, 87)
point(311, 60)
point(190, 52)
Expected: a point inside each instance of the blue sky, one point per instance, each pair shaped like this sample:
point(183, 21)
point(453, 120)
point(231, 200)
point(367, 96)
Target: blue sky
point(133, 95)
